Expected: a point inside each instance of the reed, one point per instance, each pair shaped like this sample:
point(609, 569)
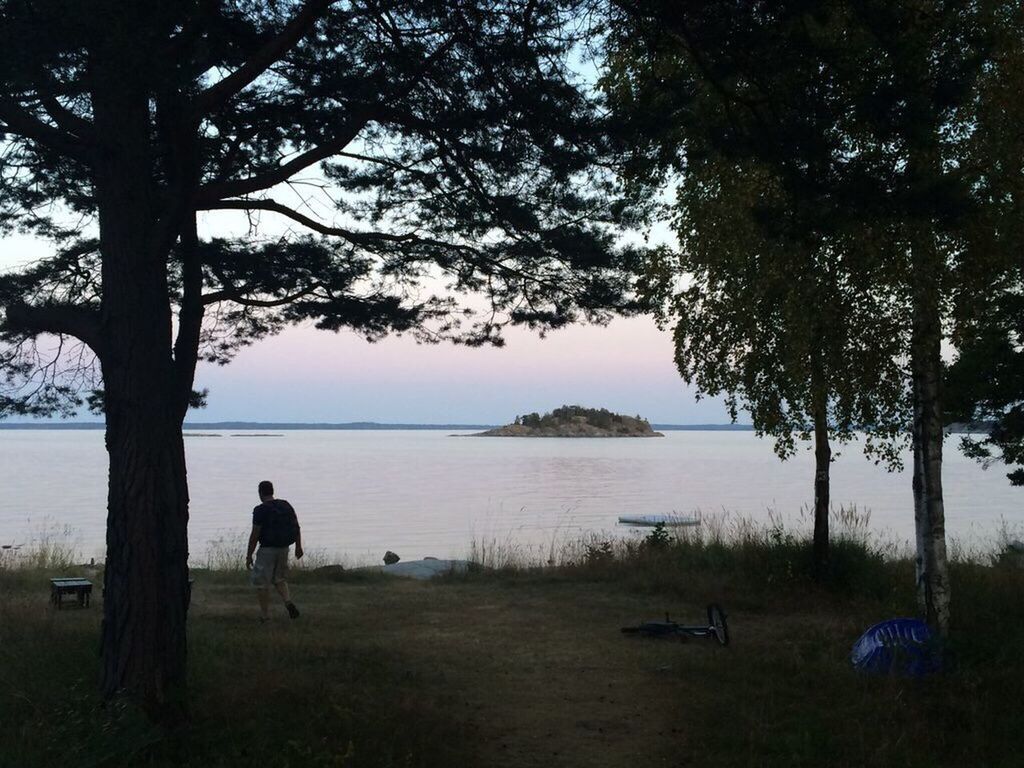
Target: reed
point(50, 546)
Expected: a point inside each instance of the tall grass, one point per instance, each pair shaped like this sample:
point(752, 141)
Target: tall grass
point(55, 548)
point(748, 556)
point(224, 553)
point(778, 548)
point(850, 528)
point(509, 554)
point(51, 547)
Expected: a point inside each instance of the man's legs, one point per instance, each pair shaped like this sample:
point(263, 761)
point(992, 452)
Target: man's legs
point(260, 578)
point(271, 567)
point(282, 590)
point(281, 582)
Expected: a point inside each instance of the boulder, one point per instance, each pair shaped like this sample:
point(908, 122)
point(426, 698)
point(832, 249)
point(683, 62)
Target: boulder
point(330, 572)
point(390, 558)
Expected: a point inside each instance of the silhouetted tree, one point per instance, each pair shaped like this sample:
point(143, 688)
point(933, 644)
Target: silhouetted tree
point(831, 141)
point(985, 382)
point(770, 291)
point(420, 150)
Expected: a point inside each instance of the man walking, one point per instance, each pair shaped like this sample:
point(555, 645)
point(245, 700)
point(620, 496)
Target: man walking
point(275, 527)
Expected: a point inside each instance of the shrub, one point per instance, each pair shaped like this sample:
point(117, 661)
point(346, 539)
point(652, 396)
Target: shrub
point(658, 538)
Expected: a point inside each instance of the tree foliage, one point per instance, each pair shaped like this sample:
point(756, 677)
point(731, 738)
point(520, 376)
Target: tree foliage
point(985, 383)
point(418, 151)
point(781, 290)
point(439, 167)
point(601, 418)
point(859, 121)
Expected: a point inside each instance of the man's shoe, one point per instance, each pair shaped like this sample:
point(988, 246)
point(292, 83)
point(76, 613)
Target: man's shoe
point(292, 610)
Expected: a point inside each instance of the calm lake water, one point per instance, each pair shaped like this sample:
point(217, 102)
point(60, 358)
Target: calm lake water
point(422, 493)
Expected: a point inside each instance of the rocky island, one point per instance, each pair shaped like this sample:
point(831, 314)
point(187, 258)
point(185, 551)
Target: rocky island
point(574, 421)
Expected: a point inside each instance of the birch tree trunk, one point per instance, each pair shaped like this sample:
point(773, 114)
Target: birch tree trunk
point(920, 513)
point(926, 371)
point(822, 466)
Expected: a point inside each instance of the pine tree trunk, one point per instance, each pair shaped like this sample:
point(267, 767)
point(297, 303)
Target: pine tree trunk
point(146, 576)
point(822, 465)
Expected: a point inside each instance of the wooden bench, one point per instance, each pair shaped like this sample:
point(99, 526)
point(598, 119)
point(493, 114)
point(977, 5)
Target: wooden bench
point(80, 588)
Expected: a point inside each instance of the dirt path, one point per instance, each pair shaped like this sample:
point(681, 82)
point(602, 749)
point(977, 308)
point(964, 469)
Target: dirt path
point(528, 670)
point(542, 674)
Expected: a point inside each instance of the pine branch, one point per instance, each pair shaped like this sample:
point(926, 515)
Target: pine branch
point(66, 120)
point(220, 92)
point(358, 120)
point(238, 296)
point(60, 319)
point(15, 119)
point(356, 238)
point(282, 173)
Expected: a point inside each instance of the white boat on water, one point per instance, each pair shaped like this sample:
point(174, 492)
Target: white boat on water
point(652, 520)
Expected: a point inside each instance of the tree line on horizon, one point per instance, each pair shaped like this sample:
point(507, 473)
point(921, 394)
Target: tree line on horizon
point(601, 418)
point(843, 180)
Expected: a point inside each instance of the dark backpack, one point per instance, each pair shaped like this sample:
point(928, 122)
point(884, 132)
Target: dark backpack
point(281, 526)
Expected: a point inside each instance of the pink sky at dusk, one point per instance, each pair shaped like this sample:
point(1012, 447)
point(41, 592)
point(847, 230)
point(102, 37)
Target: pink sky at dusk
point(310, 375)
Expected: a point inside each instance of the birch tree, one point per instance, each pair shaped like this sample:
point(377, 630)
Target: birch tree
point(863, 111)
point(985, 383)
point(774, 295)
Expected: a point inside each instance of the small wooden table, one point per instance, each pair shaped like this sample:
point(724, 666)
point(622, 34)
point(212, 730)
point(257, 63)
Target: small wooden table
point(80, 588)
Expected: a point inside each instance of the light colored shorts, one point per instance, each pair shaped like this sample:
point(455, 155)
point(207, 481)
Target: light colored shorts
point(270, 566)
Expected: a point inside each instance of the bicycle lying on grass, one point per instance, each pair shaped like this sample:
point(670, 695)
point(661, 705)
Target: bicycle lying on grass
point(716, 627)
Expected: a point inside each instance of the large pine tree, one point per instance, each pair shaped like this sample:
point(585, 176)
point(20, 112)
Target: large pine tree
point(451, 140)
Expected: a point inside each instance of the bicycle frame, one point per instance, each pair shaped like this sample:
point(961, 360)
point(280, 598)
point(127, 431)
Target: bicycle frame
point(716, 627)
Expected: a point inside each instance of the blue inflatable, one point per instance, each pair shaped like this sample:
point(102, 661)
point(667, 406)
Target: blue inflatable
point(904, 647)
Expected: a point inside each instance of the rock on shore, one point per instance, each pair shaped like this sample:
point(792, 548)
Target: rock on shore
point(427, 568)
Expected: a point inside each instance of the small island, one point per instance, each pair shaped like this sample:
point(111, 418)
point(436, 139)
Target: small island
point(574, 421)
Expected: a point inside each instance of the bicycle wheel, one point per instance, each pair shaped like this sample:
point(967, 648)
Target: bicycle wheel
point(717, 623)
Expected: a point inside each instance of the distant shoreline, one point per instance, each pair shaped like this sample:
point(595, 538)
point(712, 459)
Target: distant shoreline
point(353, 425)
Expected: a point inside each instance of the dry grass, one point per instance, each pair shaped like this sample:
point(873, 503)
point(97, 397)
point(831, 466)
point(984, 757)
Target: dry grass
point(51, 546)
point(526, 667)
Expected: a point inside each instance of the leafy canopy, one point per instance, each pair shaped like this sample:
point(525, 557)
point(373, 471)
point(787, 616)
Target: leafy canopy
point(985, 382)
point(418, 152)
point(787, 130)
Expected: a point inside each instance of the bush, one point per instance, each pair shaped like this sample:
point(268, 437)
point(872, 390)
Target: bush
point(600, 553)
point(658, 538)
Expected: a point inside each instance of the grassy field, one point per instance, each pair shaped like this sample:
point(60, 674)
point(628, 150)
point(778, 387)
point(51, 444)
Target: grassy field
point(527, 667)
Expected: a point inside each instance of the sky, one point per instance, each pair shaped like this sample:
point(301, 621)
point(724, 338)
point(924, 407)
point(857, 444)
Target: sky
point(310, 375)
point(306, 375)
